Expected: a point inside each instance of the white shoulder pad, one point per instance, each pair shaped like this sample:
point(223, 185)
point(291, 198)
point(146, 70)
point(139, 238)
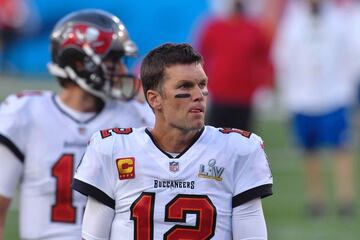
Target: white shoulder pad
point(16, 115)
point(19, 101)
point(102, 141)
point(248, 141)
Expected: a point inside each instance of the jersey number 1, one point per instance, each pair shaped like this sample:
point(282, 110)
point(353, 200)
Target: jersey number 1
point(142, 213)
point(63, 210)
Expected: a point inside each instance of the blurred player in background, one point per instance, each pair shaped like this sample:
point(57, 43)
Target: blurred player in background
point(236, 51)
point(143, 182)
point(314, 77)
point(43, 135)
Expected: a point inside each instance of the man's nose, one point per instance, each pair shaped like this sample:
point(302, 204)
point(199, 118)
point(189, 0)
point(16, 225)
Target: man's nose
point(198, 93)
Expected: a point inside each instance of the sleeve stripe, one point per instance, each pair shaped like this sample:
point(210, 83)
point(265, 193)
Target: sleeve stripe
point(260, 191)
point(89, 190)
point(12, 147)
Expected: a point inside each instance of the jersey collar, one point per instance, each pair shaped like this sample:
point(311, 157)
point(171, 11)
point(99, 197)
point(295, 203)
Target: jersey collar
point(197, 136)
point(67, 114)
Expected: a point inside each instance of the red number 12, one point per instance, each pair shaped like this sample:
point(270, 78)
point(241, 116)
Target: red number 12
point(142, 213)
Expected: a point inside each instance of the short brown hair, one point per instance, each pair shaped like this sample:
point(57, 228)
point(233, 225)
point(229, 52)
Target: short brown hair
point(156, 61)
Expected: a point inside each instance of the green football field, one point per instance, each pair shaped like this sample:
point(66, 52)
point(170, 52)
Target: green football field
point(284, 210)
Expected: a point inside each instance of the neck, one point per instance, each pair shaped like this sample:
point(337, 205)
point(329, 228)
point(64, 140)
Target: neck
point(80, 100)
point(173, 139)
point(315, 8)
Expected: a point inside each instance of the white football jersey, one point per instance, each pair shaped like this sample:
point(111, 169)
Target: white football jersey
point(189, 196)
point(50, 143)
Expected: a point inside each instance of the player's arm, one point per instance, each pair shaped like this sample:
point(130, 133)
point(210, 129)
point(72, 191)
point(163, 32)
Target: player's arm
point(96, 178)
point(248, 221)
point(253, 181)
point(10, 173)
point(97, 220)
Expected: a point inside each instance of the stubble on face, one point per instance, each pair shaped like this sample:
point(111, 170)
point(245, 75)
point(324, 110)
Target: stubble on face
point(183, 107)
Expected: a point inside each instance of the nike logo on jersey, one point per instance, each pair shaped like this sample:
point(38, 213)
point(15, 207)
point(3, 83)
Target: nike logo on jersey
point(211, 171)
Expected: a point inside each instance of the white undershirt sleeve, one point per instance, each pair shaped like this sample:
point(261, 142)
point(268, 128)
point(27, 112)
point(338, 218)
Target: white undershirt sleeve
point(248, 222)
point(97, 220)
point(10, 172)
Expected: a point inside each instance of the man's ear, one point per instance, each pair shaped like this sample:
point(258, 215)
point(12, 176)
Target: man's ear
point(154, 98)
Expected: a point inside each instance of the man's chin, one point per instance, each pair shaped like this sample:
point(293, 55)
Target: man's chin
point(198, 125)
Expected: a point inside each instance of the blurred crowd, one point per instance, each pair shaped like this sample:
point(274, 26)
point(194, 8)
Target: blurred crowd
point(25, 26)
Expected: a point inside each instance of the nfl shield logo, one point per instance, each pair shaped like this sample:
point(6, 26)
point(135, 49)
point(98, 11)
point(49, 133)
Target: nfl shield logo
point(174, 166)
point(82, 130)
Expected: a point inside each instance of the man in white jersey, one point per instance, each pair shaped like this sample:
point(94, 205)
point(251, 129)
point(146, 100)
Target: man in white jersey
point(43, 135)
point(179, 179)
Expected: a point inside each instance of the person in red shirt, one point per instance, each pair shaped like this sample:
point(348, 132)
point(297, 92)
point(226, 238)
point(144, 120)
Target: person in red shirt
point(236, 53)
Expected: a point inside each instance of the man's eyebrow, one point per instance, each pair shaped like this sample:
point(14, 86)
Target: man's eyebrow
point(184, 81)
point(192, 81)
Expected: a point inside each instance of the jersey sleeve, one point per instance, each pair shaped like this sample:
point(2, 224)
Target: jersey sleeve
point(94, 176)
point(14, 115)
point(97, 220)
point(10, 172)
point(248, 221)
point(252, 174)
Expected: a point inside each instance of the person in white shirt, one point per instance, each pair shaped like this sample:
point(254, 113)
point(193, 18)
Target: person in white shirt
point(315, 83)
point(178, 179)
point(43, 134)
